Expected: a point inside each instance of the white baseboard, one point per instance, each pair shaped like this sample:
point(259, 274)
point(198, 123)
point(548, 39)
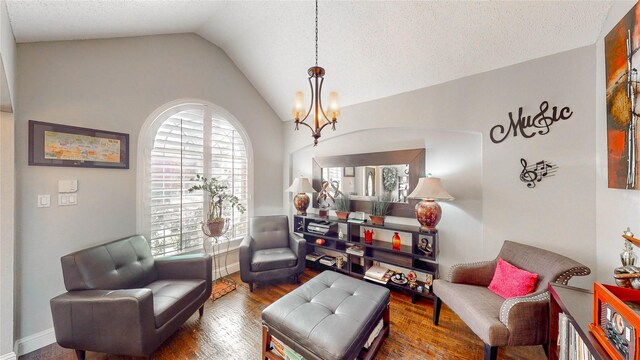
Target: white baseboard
point(8, 356)
point(34, 342)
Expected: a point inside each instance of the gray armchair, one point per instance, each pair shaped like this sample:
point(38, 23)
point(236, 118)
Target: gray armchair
point(120, 300)
point(270, 251)
point(498, 322)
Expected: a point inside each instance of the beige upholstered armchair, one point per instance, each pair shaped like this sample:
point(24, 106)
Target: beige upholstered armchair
point(497, 321)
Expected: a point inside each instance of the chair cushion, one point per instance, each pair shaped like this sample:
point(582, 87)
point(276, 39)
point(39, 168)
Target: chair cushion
point(329, 315)
point(171, 296)
point(509, 281)
point(478, 307)
point(271, 259)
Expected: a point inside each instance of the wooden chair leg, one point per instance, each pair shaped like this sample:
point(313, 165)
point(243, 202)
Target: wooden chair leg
point(250, 287)
point(201, 310)
point(81, 354)
point(490, 352)
point(266, 342)
point(437, 303)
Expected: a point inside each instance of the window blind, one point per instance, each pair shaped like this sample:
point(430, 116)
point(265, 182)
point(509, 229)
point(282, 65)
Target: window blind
point(185, 146)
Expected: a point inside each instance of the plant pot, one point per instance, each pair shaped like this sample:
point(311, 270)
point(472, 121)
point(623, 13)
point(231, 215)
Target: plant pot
point(377, 220)
point(342, 215)
point(216, 227)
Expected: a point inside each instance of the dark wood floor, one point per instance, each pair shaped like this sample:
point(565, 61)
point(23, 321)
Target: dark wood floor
point(230, 329)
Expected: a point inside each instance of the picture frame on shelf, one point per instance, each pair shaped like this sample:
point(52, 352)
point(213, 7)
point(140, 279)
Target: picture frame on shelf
point(349, 171)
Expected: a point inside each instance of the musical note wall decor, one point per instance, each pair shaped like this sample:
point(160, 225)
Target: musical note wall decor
point(532, 174)
point(539, 124)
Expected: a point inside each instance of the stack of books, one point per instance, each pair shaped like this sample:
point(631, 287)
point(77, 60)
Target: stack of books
point(328, 260)
point(314, 256)
point(378, 274)
point(355, 250)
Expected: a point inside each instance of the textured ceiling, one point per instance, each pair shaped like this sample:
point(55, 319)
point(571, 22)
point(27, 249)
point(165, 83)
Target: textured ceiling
point(369, 49)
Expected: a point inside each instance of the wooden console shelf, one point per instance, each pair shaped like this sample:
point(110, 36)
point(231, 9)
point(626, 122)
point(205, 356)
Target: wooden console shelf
point(577, 305)
point(408, 257)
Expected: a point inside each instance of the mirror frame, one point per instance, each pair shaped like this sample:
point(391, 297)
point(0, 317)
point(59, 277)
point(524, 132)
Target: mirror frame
point(414, 157)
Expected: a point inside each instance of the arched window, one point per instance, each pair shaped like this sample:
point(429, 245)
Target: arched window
point(188, 140)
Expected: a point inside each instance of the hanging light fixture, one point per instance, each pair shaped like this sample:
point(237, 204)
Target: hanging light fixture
point(320, 117)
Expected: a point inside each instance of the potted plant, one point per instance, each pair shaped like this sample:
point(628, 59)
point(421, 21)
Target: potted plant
point(218, 195)
point(380, 208)
point(343, 206)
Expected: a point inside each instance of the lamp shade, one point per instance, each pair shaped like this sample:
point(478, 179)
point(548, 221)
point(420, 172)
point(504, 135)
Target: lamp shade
point(300, 185)
point(430, 188)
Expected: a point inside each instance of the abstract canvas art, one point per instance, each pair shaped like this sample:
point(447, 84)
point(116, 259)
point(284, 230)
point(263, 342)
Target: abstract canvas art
point(623, 133)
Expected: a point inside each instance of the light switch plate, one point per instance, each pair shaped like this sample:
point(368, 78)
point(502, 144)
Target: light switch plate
point(44, 200)
point(67, 199)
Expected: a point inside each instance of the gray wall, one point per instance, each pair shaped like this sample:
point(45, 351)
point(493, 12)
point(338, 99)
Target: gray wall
point(557, 215)
point(615, 208)
point(115, 84)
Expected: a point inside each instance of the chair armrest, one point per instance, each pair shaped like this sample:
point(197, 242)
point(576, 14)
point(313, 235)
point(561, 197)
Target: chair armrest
point(104, 319)
point(245, 253)
point(298, 245)
point(527, 318)
point(478, 273)
point(574, 271)
point(192, 266)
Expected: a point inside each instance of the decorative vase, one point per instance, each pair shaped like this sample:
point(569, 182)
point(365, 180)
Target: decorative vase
point(301, 203)
point(395, 241)
point(323, 213)
point(342, 215)
point(428, 213)
point(377, 220)
point(368, 237)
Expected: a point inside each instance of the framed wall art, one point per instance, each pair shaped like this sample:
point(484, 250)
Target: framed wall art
point(622, 60)
point(64, 145)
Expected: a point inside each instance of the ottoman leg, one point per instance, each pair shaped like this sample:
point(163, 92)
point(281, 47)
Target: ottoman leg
point(437, 303)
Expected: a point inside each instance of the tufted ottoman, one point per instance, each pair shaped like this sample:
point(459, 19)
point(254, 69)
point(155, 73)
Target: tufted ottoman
point(330, 317)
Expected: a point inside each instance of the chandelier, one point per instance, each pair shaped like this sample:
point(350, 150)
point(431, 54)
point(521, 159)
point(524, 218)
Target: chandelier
point(320, 118)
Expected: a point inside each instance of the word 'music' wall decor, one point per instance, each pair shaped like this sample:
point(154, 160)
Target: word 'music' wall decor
point(530, 126)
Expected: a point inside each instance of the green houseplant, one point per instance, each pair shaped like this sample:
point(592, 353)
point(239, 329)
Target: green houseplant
point(219, 194)
point(343, 206)
point(380, 208)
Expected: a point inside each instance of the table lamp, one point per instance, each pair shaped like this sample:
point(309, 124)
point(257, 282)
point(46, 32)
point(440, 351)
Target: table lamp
point(301, 185)
point(428, 212)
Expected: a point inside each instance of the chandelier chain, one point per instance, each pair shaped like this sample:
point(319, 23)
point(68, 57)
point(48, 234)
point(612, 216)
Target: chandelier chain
point(316, 32)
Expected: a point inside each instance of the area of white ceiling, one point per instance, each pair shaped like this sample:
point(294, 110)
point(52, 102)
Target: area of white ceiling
point(369, 49)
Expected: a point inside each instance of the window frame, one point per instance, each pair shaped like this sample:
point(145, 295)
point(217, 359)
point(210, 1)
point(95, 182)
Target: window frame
point(145, 145)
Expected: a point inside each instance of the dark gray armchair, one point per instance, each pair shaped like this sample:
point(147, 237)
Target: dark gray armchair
point(120, 300)
point(270, 251)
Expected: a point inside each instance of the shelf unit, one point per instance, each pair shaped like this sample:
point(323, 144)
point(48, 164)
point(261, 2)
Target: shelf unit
point(408, 257)
point(577, 305)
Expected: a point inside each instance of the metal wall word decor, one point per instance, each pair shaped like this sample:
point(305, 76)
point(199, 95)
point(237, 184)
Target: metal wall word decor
point(532, 174)
point(530, 126)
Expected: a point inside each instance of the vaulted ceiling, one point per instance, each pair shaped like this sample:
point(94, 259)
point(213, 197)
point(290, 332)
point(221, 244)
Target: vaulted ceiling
point(369, 49)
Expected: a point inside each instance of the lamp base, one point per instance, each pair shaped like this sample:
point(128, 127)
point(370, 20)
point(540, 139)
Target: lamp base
point(428, 214)
point(301, 203)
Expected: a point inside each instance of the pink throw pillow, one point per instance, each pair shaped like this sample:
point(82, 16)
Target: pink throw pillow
point(509, 281)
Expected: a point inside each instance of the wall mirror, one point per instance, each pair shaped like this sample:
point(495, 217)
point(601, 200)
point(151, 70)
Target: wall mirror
point(365, 176)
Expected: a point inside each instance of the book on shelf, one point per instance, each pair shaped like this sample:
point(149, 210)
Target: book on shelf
point(355, 250)
point(384, 280)
point(314, 256)
point(328, 260)
point(376, 272)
